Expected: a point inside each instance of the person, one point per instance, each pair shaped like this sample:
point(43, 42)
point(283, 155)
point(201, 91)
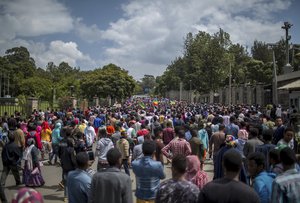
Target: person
point(123, 146)
point(177, 189)
point(90, 135)
point(68, 160)
point(25, 195)
point(55, 137)
point(111, 185)
point(148, 174)
point(278, 133)
point(177, 146)
point(266, 147)
point(137, 150)
point(159, 145)
point(11, 154)
point(229, 189)
point(168, 134)
point(194, 173)
point(197, 147)
point(286, 186)
point(262, 180)
point(252, 143)
point(232, 129)
point(104, 144)
point(275, 164)
point(32, 176)
point(216, 140)
point(79, 181)
point(46, 139)
point(288, 138)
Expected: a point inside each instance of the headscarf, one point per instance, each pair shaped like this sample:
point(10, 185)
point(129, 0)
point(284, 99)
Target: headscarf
point(45, 126)
point(194, 173)
point(27, 195)
point(230, 141)
point(38, 129)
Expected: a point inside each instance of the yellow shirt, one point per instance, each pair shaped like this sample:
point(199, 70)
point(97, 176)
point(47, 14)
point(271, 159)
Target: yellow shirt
point(46, 135)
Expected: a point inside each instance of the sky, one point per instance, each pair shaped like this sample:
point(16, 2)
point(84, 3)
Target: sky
point(141, 36)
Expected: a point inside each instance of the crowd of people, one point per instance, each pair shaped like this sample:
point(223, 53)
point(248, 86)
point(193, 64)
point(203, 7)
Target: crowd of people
point(253, 150)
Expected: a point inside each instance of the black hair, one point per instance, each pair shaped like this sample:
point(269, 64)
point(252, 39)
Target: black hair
point(289, 129)
point(11, 136)
point(232, 160)
point(221, 127)
point(148, 147)
point(179, 163)
point(113, 155)
point(157, 131)
point(253, 132)
point(102, 132)
point(31, 127)
point(287, 156)
point(194, 133)
point(258, 157)
point(274, 154)
point(181, 133)
point(82, 159)
point(268, 135)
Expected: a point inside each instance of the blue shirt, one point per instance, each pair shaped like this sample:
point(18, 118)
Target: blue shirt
point(263, 186)
point(148, 174)
point(79, 184)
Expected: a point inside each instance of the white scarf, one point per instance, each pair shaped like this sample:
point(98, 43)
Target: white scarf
point(27, 156)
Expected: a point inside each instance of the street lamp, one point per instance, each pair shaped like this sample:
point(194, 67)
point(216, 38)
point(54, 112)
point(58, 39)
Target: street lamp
point(286, 26)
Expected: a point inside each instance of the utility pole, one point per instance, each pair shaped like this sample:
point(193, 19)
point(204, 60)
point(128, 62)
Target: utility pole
point(180, 91)
point(274, 85)
point(191, 91)
point(286, 27)
point(229, 98)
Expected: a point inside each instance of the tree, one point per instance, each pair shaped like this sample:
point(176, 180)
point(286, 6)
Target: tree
point(110, 80)
point(148, 83)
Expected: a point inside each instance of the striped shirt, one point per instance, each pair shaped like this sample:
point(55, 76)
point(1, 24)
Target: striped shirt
point(286, 187)
point(177, 146)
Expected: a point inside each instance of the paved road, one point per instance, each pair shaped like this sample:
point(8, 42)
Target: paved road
point(52, 175)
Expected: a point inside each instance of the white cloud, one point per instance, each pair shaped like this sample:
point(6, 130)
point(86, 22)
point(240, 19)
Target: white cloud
point(151, 33)
point(148, 36)
point(33, 18)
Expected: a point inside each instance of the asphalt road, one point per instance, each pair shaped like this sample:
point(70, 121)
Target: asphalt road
point(52, 174)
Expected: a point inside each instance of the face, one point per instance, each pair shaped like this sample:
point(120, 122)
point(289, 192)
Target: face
point(288, 136)
point(252, 168)
point(278, 121)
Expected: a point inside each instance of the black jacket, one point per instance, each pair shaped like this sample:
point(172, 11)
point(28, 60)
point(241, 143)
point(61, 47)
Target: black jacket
point(11, 154)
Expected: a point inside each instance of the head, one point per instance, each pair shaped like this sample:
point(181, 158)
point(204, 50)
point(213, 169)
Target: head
point(179, 165)
point(221, 127)
point(232, 162)
point(30, 141)
point(288, 158)
point(149, 148)
point(193, 166)
point(82, 160)
point(256, 163)
point(25, 195)
point(274, 157)
point(58, 125)
point(232, 119)
point(268, 135)
point(158, 132)
point(288, 134)
point(102, 133)
point(114, 158)
point(253, 132)
point(278, 121)
point(181, 133)
point(194, 133)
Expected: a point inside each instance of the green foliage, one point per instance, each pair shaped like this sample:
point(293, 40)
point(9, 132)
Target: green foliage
point(111, 81)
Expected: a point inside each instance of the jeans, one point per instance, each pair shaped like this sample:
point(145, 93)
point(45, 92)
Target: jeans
point(54, 153)
point(126, 167)
point(65, 178)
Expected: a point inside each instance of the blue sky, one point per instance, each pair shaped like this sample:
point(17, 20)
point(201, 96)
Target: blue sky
point(141, 36)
